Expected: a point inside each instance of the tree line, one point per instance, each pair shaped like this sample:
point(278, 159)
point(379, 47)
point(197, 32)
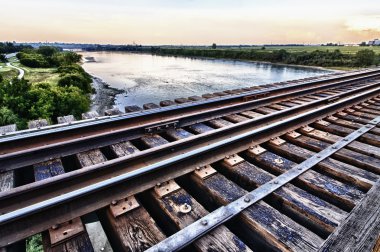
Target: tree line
point(21, 101)
point(323, 58)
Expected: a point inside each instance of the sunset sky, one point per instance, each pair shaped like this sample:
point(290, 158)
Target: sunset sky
point(190, 21)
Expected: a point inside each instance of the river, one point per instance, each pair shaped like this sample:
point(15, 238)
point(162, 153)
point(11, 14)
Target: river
point(144, 78)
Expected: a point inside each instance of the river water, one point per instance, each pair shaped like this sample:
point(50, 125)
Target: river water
point(144, 78)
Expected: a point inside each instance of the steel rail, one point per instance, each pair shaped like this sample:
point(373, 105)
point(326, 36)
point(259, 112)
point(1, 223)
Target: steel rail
point(219, 216)
point(30, 133)
point(15, 225)
point(17, 154)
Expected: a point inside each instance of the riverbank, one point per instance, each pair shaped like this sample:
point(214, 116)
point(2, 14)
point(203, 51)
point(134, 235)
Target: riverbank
point(104, 97)
point(318, 58)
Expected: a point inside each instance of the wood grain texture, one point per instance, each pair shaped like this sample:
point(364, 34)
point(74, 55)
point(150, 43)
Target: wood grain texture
point(37, 123)
point(220, 239)
point(65, 119)
point(90, 115)
point(276, 230)
point(361, 230)
point(133, 231)
point(78, 243)
point(7, 178)
point(307, 207)
point(199, 128)
point(333, 191)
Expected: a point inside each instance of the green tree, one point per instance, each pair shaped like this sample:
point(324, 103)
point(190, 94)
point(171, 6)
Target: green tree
point(76, 80)
point(2, 58)
point(365, 57)
point(47, 51)
point(213, 46)
point(7, 116)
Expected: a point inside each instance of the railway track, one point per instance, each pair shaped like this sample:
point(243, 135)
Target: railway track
point(281, 172)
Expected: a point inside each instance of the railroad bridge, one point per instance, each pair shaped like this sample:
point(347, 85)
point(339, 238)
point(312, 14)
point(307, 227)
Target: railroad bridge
point(291, 166)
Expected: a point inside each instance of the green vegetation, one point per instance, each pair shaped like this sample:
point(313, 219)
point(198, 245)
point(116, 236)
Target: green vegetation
point(34, 243)
point(60, 87)
point(9, 47)
point(323, 58)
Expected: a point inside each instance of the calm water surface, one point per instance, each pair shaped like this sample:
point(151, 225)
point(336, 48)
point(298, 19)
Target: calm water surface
point(146, 78)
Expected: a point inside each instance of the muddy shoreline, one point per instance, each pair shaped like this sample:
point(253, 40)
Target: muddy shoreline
point(104, 98)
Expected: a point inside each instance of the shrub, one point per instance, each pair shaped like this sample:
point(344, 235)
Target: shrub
point(76, 80)
point(7, 116)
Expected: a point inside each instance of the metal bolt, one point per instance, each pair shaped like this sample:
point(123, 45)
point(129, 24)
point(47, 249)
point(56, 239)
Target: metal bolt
point(300, 168)
point(114, 202)
point(345, 139)
point(198, 168)
point(318, 156)
point(276, 182)
point(247, 199)
point(54, 227)
point(335, 147)
point(227, 157)
point(158, 184)
point(368, 126)
point(204, 222)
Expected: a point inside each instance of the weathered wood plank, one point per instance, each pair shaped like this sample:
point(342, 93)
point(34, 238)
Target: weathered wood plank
point(288, 104)
point(123, 148)
point(235, 118)
point(265, 110)
point(251, 114)
point(181, 100)
point(182, 210)
point(260, 222)
point(134, 230)
point(354, 160)
point(65, 119)
point(80, 242)
point(133, 108)
point(342, 195)
point(368, 138)
point(7, 178)
point(177, 134)
point(346, 173)
point(113, 111)
point(8, 129)
point(219, 123)
point(153, 140)
point(277, 106)
point(355, 145)
point(308, 208)
point(208, 96)
point(90, 157)
point(36, 124)
point(150, 106)
point(167, 103)
point(195, 98)
point(361, 230)
point(90, 115)
point(199, 128)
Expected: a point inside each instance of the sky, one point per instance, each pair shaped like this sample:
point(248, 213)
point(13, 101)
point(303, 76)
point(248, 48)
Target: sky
point(190, 22)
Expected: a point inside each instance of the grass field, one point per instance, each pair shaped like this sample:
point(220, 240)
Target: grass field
point(37, 75)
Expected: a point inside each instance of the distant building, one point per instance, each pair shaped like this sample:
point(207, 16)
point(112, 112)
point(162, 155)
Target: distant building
point(375, 42)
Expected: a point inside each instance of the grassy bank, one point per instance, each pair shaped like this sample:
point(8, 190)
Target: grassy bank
point(351, 58)
point(54, 85)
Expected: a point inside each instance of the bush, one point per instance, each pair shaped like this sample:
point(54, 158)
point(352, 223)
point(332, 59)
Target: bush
point(7, 116)
point(365, 58)
point(76, 80)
